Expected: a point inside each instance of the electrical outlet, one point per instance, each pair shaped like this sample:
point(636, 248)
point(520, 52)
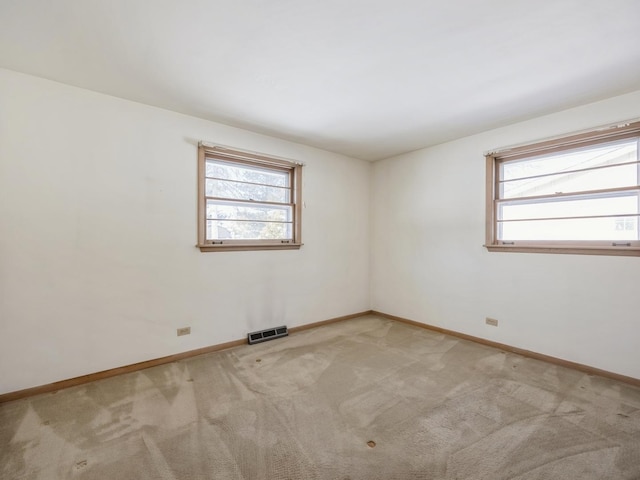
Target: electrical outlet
point(184, 331)
point(491, 321)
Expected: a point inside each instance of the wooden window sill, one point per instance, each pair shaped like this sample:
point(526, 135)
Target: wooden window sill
point(244, 247)
point(571, 250)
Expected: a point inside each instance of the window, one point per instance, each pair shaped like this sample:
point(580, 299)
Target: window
point(577, 194)
point(247, 201)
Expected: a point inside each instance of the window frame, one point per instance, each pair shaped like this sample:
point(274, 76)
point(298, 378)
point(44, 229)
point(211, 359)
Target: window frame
point(248, 158)
point(584, 139)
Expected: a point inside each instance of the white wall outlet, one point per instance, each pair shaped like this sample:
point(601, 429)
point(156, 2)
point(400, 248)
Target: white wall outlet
point(491, 321)
point(184, 331)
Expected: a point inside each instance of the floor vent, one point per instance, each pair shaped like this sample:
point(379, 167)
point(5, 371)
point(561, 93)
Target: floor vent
point(268, 334)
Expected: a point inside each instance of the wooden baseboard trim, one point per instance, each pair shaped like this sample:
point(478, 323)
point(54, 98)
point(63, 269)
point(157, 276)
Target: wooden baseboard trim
point(327, 322)
point(91, 377)
point(520, 351)
point(72, 382)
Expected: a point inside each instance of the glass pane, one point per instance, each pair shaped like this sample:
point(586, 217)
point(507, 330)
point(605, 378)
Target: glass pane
point(229, 229)
point(247, 173)
point(586, 157)
point(572, 207)
point(610, 177)
point(246, 191)
point(614, 229)
point(221, 210)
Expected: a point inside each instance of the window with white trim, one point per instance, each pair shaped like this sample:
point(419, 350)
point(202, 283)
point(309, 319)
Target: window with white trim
point(247, 201)
point(577, 194)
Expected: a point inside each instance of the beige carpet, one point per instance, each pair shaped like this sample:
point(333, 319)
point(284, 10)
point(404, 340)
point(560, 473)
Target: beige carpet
point(304, 407)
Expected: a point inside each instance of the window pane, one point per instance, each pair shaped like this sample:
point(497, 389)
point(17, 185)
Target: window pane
point(221, 210)
point(610, 177)
point(246, 191)
point(233, 230)
point(266, 176)
point(570, 207)
point(586, 157)
point(614, 229)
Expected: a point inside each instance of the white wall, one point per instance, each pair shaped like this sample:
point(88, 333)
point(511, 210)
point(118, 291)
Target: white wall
point(97, 231)
point(428, 263)
point(98, 224)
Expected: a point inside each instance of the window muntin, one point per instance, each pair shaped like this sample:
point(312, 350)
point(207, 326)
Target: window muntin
point(579, 192)
point(613, 165)
point(230, 170)
point(609, 153)
point(248, 201)
point(248, 221)
point(246, 191)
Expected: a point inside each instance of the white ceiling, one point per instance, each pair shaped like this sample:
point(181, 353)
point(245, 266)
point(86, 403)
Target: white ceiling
point(367, 78)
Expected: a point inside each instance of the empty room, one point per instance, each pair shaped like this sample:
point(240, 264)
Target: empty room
point(350, 240)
